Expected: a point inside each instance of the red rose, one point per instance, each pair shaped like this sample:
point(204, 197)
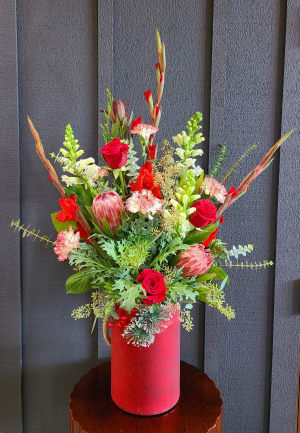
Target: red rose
point(154, 284)
point(69, 206)
point(145, 180)
point(115, 153)
point(205, 213)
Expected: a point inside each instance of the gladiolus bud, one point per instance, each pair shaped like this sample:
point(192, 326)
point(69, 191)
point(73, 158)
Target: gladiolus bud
point(109, 206)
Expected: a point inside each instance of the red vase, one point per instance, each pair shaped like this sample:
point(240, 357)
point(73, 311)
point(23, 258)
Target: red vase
point(145, 380)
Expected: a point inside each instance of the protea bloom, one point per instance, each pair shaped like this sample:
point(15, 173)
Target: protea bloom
point(109, 205)
point(195, 261)
point(66, 242)
point(213, 188)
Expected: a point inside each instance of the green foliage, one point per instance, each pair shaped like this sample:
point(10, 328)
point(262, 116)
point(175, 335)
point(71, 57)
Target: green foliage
point(35, 234)
point(80, 282)
point(219, 160)
point(231, 171)
point(249, 265)
point(219, 274)
point(197, 236)
point(213, 295)
point(146, 323)
point(59, 226)
point(132, 169)
point(167, 247)
point(130, 295)
point(240, 250)
point(105, 129)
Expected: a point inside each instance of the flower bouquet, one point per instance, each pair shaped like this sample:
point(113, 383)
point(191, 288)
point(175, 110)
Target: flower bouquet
point(145, 240)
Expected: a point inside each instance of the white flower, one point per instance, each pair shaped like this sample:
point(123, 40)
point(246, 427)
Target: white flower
point(69, 181)
point(197, 171)
point(92, 171)
point(179, 152)
point(83, 164)
point(197, 152)
point(190, 162)
point(178, 139)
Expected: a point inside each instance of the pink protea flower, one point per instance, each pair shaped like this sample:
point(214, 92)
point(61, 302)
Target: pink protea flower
point(108, 205)
point(144, 202)
point(144, 130)
point(66, 242)
point(195, 261)
point(213, 188)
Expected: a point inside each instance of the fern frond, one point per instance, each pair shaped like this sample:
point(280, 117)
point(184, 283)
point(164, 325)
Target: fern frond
point(231, 171)
point(219, 160)
point(26, 232)
point(240, 250)
point(248, 265)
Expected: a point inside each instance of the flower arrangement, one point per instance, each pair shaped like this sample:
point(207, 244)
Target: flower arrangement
point(144, 238)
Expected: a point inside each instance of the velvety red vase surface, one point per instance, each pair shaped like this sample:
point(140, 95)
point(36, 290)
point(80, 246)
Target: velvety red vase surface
point(146, 380)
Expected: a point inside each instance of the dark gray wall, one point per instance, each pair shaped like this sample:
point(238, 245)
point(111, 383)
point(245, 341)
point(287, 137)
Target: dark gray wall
point(237, 62)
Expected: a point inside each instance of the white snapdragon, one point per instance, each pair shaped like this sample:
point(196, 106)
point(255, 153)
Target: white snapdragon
point(70, 181)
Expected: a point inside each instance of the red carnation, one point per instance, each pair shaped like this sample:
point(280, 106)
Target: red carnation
point(69, 206)
point(154, 284)
point(115, 153)
point(147, 94)
point(205, 213)
point(145, 180)
point(136, 122)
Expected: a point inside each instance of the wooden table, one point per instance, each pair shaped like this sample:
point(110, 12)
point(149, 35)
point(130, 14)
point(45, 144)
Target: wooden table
point(199, 409)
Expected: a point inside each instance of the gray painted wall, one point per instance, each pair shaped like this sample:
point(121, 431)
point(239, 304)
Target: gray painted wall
point(238, 63)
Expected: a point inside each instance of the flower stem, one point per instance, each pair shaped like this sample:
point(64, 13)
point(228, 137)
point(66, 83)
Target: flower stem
point(122, 183)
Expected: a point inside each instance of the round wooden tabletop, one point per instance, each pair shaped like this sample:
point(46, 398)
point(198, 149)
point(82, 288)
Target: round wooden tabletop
point(199, 408)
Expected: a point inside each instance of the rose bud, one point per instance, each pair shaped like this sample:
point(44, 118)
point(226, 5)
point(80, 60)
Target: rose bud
point(205, 213)
point(108, 205)
point(115, 153)
point(195, 261)
point(154, 284)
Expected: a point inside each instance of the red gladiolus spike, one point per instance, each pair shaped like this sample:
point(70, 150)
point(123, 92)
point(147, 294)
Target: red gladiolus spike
point(157, 110)
point(156, 65)
point(221, 219)
point(136, 122)
point(147, 94)
point(161, 77)
point(232, 191)
point(50, 178)
point(110, 325)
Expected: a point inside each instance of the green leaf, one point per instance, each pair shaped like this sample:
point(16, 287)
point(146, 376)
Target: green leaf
point(219, 273)
point(130, 295)
point(83, 195)
point(205, 277)
point(106, 228)
point(79, 282)
point(198, 236)
point(59, 226)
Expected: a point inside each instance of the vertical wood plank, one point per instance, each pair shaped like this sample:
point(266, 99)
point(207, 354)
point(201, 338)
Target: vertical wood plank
point(57, 42)
point(287, 278)
point(245, 109)
point(105, 81)
point(10, 284)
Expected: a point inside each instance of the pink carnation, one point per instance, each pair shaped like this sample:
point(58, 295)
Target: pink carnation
point(213, 188)
point(195, 261)
point(144, 202)
point(66, 242)
point(144, 130)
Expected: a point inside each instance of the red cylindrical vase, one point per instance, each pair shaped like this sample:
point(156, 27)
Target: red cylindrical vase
point(145, 380)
